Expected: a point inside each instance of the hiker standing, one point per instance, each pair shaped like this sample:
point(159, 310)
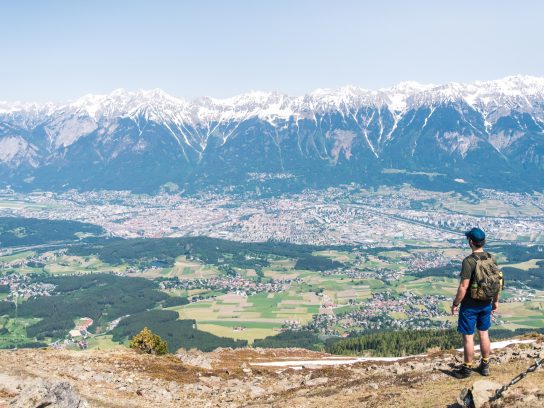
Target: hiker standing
point(477, 297)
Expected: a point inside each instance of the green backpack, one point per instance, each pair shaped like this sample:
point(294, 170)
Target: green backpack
point(487, 279)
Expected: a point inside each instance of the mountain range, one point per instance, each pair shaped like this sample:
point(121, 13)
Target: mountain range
point(466, 136)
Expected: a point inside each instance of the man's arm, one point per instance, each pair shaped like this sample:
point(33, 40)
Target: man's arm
point(461, 292)
point(496, 302)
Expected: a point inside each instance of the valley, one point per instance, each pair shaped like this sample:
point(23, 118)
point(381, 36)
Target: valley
point(235, 293)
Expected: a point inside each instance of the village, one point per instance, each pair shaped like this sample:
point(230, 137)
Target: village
point(22, 287)
point(383, 311)
point(229, 284)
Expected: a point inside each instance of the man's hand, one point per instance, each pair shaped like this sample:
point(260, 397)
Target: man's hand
point(495, 306)
point(454, 309)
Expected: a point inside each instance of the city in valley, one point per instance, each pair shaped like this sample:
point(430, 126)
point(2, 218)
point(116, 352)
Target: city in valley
point(332, 216)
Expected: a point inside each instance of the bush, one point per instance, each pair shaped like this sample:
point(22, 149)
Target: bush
point(148, 342)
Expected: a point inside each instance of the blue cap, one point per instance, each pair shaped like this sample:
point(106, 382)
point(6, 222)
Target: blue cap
point(476, 235)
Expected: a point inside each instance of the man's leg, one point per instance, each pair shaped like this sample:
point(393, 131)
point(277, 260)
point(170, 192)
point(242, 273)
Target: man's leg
point(468, 345)
point(483, 323)
point(485, 344)
point(465, 326)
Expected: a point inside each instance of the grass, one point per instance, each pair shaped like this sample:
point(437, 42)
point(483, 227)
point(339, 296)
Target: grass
point(430, 286)
point(249, 334)
point(340, 256)
point(259, 314)
point(16, 331)
point(69, 264)
point(530, 264)
point(394, 255)
point(17, 255)
point(103, 342)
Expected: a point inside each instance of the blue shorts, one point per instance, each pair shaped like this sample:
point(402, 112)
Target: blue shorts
point(474, 316)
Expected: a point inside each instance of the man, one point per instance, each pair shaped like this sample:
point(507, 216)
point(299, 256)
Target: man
point(473, 313)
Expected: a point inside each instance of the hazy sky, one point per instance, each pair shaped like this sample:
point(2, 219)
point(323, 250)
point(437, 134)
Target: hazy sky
point(60, 50)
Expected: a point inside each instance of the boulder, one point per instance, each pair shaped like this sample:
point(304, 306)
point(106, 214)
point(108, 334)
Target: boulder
point(48, 393)
point(480, 392)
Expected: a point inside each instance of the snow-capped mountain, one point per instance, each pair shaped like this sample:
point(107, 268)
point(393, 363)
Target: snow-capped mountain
point(486, 133)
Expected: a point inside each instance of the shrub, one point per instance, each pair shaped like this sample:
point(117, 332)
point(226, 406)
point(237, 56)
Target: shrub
point(148, 342)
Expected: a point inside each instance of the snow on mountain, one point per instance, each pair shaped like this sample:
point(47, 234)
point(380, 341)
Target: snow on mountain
point(14, 151)
point(514, 92)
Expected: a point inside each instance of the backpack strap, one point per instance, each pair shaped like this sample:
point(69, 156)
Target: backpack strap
point(477, 258)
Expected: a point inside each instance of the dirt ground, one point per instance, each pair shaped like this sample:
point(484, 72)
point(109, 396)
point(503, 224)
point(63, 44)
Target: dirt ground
point(233, 378)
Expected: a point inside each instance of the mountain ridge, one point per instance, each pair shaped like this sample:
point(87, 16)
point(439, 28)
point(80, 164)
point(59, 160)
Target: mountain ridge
point(323, 138)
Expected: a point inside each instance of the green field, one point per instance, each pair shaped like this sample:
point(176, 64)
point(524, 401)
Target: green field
point(16, 331)
point(78, 264)
point(17, 255)
point(103, 342)
point(430, 286)
point(258, 315)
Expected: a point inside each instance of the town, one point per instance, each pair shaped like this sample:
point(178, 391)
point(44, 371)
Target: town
point(384, 311)
point(333, 216)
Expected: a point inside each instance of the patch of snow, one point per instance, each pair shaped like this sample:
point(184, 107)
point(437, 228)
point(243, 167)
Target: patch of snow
point(336, 360)
point(14, 150)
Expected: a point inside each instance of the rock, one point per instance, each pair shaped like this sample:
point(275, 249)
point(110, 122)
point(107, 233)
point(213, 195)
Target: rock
point(399, 370)
point(49, 393)
point(247, 370)
point(374, 386)
point(210, 380)
point(481, 391)
point(316, 381)
point(195, 359)
point(256, 391)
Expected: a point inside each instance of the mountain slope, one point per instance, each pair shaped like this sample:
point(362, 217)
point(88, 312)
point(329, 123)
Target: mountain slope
point(490, 134)
point(234, 378)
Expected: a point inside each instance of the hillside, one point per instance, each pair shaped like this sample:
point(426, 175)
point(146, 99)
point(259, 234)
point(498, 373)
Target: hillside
point(233, 378)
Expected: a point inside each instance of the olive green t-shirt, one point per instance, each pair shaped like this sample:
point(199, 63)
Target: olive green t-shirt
point(467, 269)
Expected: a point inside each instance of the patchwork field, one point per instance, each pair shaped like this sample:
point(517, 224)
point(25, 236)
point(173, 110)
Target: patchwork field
point(14, 330)
point(182, 269)
point(431, 286)
point(78, 264)
point(252, 317)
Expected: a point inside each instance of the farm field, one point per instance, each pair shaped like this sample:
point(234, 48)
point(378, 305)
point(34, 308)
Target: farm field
point(530, 264)
point(103, 342)
point(14, 330)
point(182, 269)
point(17, 255)
point(77, 264)
point(250, 317)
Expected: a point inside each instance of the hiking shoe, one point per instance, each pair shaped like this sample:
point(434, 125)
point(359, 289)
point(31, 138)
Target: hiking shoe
point(483, 369)
point(463, 372)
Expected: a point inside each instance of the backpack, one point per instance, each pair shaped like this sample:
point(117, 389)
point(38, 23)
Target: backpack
point(487, 279)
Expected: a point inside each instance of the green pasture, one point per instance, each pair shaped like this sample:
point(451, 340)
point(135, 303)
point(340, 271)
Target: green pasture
point(68, 264)
point(430, 286)
point(103, 342)
point(259, 314)
point(17, 255)
point(16, 328)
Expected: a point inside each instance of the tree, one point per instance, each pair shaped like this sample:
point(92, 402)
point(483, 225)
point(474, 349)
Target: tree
point(148, 342)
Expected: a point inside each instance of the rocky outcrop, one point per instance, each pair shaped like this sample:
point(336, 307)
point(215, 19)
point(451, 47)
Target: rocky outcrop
point(48, 393)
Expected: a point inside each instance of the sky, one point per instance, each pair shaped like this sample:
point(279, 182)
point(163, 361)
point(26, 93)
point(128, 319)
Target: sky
point(59, 50)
